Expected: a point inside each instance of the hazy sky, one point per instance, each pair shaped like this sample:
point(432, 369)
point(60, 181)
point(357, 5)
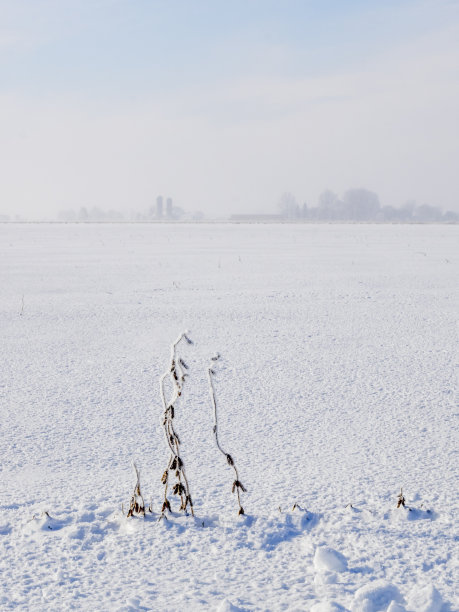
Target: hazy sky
point(225, 105)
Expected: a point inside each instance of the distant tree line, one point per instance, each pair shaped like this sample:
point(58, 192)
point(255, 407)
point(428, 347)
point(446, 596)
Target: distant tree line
point(362, 205)
point(95, 214)
point(90, 214)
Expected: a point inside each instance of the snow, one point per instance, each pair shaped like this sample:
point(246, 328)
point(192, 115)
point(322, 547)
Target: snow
point(395, 607)
point(375, 596)
point(425, 599)
point(335, 387)
point(327, 559)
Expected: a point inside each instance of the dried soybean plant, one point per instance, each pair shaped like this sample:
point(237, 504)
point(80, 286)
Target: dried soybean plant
point(401, 499)
point(176, 373)
point(137, 504)
point(237, 485)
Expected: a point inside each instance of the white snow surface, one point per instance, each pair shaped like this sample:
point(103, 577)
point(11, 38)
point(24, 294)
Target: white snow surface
point(335, 388)
point(327, 559)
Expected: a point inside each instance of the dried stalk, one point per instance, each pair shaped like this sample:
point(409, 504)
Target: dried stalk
point(401, 499)
point(137, 504)
point(176, 373)
point(237, 485)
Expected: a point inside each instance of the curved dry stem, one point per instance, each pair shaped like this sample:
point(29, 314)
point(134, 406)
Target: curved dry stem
point(237, 485)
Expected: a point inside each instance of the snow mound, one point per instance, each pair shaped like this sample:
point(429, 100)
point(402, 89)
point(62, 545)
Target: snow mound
point(284, 527)
point(227, 606)
point(376, 596)
point(45, 523)
point(132, 605)
point(399, 515)
point(425, 599)
point(5, 529)
point(328, 560)
point(325, 578)
point(395, 607)
point(327, 606)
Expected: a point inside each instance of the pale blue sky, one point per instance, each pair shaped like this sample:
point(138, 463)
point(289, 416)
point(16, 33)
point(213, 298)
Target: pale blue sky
point(225, 105)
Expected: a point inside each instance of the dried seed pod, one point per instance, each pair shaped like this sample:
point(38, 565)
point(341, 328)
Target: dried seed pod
point(241, 510)
point(178, 488)
point(166, 506)
point(173, 464)
point(229, 459)
point(238, 484)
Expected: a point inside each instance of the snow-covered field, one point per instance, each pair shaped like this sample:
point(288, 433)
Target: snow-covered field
point(336, 387)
